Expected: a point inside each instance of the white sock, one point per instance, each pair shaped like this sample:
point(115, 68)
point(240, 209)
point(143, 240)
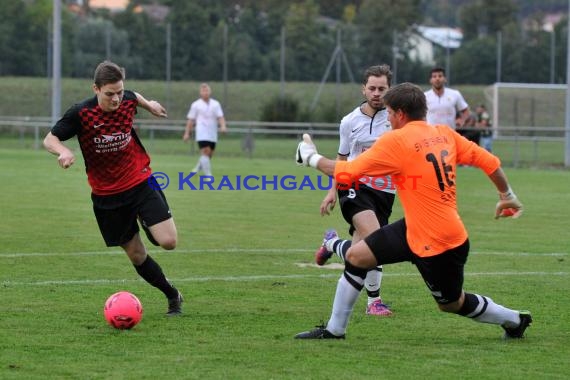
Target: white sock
point(494, 313)
point(341, 248)
point(329, 244)
point(197, 168)
point(205, 165)
point(372, 283)
point(344, 300)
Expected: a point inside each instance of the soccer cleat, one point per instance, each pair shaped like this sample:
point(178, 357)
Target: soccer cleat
point(175, 305)
point(378, 308)
point(323, 254)
point(319, 333)
point(518, 332)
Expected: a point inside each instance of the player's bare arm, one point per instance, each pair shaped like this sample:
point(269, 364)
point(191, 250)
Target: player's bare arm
point(188, 130)
point(222, 123)
point(65, 158)
point(463, 116)
point(151, 106)
point(329, 201)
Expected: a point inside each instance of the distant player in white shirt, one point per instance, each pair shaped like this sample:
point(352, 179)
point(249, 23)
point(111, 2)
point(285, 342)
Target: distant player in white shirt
point(205, 115)
point(444, 104)
point(366, 205)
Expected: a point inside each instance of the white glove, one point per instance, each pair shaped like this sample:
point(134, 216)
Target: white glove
point(307, 153)
point(508, 205)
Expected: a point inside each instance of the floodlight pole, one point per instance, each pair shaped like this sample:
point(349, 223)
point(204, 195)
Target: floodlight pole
point(168, 58)
point(499, 54)
point(552, 54)
point(447, 59)
point(395, 53)
point(338, 71)
point(225, 68)
point(338, 52)
point(567, 126)
point(56, 67)
point(282, 65)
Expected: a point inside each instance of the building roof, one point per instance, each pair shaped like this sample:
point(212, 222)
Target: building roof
point(443, 36)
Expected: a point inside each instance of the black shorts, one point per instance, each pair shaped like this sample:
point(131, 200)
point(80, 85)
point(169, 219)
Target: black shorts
point(443, 273)
point(117, 214)
point(365, 198)
point(207, 144)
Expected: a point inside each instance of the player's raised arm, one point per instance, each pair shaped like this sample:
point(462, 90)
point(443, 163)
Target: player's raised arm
point(151, 106)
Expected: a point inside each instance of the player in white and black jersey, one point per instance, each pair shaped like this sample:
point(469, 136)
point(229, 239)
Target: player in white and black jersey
point(204, 116)
point(444, 103)
point(367, 205)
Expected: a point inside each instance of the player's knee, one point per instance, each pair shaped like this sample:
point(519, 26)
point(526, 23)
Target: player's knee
point(360, 258)
point(166, 236)
point(168, 243)
point(136, 256)
point(355, 259)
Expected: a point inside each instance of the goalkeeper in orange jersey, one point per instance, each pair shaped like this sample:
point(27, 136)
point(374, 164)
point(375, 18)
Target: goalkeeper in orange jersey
point(431, 235)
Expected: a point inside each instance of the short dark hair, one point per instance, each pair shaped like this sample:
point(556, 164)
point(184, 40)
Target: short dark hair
point(437, 69)
point(378, 71)
point(108, 72)
point(409, 98)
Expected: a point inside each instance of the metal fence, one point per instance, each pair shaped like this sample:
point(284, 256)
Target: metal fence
point(516, 146)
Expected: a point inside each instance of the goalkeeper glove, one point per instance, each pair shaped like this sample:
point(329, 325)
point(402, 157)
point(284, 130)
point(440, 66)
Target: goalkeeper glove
point(508, 205)
point(307, 153)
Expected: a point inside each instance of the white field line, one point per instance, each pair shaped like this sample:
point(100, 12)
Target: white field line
point(7, 284)
point(237, 250)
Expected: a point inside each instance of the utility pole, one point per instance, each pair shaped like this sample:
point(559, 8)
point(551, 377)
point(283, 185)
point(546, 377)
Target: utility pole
point(567, 150)
point(56, 67)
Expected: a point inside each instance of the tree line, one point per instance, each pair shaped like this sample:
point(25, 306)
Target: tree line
point(197, 37)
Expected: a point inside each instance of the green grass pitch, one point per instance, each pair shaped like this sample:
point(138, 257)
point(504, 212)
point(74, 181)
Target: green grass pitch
point(243, 266)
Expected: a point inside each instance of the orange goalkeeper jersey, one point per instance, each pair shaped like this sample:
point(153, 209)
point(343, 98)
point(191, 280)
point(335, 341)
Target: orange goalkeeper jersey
point(422, 161)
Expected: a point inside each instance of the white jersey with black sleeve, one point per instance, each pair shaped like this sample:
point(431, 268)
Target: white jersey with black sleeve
point(358, 132)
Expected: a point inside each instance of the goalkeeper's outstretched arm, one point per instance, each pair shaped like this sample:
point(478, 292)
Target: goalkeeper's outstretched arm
point(307, 155)
point(509, 204)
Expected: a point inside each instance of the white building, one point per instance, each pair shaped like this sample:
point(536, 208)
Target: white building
point(427, 38)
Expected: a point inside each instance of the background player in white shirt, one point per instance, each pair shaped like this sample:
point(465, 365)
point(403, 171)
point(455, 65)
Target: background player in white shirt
point(206, 115)
point(367, 205)
point(444, 103)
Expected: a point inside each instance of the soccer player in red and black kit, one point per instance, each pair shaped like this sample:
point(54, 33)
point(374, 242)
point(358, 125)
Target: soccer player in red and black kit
point(118, 172)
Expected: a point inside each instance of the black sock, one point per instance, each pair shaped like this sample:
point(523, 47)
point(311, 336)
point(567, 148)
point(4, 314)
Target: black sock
point(340, 247)
point(373, 293)
point(151, 272)
point(473, 306)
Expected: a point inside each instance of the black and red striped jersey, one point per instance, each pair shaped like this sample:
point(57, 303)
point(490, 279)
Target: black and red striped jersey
point(115, 159)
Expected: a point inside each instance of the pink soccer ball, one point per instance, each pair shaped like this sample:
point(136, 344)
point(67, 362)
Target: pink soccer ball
point(123, 310)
